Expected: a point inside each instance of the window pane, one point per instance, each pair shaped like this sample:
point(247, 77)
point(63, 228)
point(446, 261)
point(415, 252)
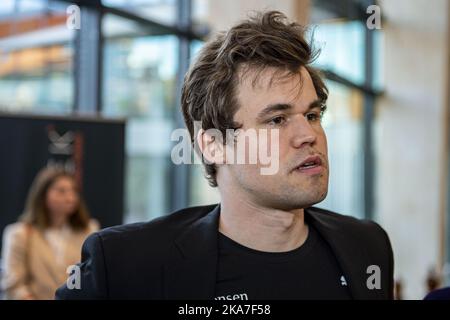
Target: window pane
point(201, 193)
point(200, 12)
point(36, 54)
point(139, 75)
point(342, 48)
point(196, 46)
point(163, 11)
point(343, 125)
point(139, 71)
point(31, 5)
point(146, 191)
point(6, 7)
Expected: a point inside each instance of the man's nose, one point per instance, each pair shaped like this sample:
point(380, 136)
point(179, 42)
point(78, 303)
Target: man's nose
point(302, 133)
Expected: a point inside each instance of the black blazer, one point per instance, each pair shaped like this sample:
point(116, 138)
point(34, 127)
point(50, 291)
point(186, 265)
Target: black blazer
point(175, 256)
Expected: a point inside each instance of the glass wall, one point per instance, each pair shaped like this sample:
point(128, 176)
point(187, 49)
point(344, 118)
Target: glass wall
point(36, 57)
point(162, 11)
point(342, 48)
point(139, 76)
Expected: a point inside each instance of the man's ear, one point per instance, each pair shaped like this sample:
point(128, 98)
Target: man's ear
point(210, 144)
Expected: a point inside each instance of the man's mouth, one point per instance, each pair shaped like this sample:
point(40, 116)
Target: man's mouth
point(311, 165)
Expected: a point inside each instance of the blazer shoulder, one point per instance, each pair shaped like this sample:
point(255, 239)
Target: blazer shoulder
point(367, 235)
point(362, 227)
point(159, 230)
point(366, 232)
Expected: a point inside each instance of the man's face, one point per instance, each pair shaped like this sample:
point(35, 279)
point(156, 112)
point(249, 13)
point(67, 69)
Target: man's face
point(290, 105)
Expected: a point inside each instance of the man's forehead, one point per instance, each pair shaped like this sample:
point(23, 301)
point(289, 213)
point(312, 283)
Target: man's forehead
point(274, 85)
point(264, 78)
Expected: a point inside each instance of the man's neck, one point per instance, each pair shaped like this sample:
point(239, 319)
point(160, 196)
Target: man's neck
point(260, 228)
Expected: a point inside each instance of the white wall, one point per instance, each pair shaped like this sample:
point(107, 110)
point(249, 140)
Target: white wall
point(409, 135)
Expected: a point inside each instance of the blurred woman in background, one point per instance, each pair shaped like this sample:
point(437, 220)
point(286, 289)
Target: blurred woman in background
point(47, 239)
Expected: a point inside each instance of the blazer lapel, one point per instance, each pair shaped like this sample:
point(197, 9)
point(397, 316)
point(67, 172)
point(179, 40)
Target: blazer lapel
point(190, 272)
point(48, 258)
point(349, 253)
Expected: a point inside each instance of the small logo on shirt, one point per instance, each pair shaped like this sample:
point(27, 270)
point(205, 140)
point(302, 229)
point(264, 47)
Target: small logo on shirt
point(343, 281)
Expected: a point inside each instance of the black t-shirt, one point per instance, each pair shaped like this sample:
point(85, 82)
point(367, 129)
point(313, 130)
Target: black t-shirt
point(308, 272)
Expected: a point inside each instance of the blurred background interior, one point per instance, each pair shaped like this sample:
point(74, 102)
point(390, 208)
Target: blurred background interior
point(387, 120)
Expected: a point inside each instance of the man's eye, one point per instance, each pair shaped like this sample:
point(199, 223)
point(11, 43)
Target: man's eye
point(277, 121)
point(313, 117)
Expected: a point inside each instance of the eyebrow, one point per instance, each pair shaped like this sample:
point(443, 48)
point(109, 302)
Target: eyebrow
point(285, 106)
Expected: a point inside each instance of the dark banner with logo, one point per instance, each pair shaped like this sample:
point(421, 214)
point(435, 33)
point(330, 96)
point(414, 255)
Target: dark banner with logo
point(92, 149)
